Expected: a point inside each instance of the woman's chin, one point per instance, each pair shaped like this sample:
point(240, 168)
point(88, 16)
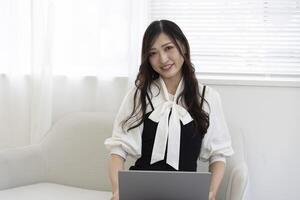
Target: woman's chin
point(170, 75)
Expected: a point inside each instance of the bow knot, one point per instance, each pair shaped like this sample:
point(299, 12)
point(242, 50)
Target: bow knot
point(168, 116)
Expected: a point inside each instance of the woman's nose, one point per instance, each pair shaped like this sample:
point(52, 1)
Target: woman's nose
point(163, 58)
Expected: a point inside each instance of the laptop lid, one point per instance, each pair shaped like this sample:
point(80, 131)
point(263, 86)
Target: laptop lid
point(163, 185)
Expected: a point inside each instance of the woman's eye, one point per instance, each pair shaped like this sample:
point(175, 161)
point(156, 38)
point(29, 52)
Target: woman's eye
point(152, 53)
point(169, 47)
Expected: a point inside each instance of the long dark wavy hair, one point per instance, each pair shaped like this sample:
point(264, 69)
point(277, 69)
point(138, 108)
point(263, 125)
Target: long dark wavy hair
point(146, 76)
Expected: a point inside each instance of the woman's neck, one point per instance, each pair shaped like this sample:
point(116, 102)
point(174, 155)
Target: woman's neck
point(172, 84)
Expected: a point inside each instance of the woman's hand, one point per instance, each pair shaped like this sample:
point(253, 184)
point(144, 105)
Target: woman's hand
point(212, 196)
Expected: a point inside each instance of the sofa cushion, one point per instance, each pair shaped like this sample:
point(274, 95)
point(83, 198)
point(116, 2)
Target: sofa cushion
point(51, 191)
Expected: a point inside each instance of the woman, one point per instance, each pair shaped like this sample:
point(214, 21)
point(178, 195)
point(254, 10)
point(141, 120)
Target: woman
point(169, 120)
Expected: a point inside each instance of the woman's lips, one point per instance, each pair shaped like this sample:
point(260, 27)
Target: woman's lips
point(167, 67)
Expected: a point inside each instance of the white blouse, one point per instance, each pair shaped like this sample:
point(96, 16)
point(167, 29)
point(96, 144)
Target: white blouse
point(216, 144)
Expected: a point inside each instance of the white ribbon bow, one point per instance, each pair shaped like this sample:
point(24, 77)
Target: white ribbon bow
point(168, 130)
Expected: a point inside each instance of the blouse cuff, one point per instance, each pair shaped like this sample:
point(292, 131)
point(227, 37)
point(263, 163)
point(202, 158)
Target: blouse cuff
point(224, 151)
point(118, 151)
point(216, 158)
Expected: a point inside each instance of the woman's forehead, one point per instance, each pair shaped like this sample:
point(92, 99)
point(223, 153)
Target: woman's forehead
point(161, 40)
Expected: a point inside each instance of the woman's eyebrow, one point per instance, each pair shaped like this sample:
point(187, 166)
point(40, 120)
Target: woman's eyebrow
point(166, 44)
point(162, 45)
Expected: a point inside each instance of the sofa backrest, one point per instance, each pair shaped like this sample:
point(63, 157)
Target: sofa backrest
point(75, 152)
point(21, 166)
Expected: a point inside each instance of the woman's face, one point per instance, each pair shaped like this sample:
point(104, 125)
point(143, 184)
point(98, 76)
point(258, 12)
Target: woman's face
point(165, 58)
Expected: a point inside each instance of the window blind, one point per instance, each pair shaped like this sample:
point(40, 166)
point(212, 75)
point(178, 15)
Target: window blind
point(238, 37)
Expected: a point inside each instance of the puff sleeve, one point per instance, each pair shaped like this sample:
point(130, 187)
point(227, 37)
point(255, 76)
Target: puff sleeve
point(216, 144)
point(123, 142)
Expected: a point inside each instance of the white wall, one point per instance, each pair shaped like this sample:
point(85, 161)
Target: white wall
point(269, 117)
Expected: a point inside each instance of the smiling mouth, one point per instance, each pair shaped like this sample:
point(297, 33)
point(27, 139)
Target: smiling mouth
point(166, 67)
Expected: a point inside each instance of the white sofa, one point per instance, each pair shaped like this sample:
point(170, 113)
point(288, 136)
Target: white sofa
point(71, 163)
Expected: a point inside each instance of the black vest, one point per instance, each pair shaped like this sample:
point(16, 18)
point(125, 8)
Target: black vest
point(190, 146)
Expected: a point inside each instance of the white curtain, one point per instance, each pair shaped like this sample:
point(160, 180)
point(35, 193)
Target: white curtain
point(140, 17)
point(64, 56)
point(26, 81)
point(40, 113)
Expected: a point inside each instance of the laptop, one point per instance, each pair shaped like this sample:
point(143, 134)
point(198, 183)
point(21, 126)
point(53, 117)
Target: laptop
point(163, 185)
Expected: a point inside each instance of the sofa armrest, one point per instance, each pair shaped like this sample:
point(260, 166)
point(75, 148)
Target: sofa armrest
point(21, 166)
point(238, 182)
